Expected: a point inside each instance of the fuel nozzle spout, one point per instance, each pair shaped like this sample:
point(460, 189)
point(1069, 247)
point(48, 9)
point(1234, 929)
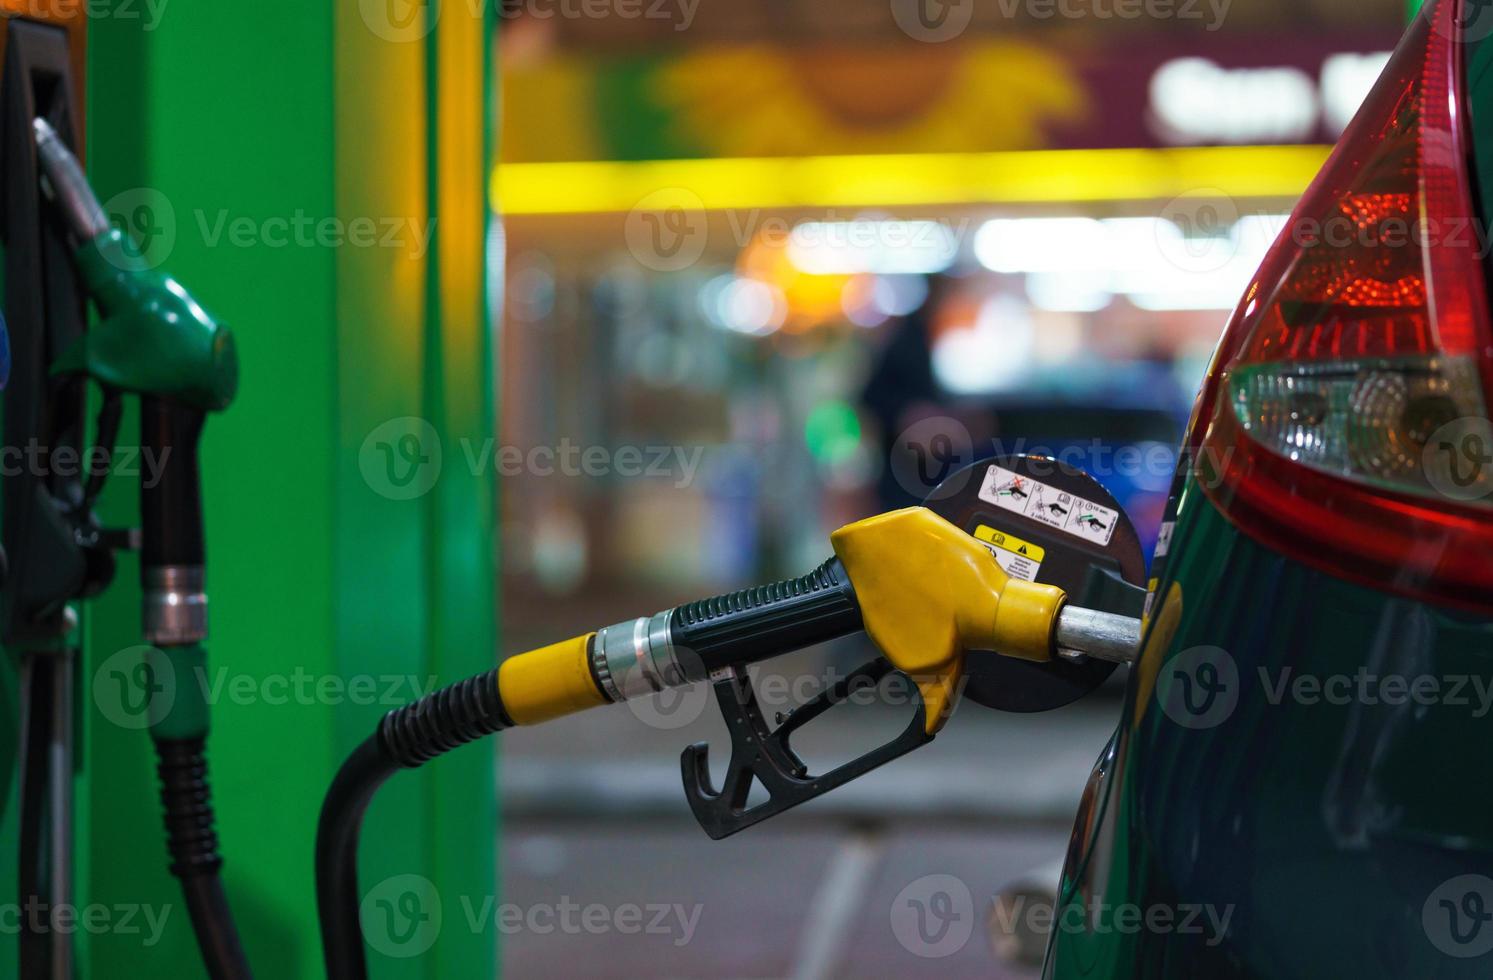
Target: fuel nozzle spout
point(66, 184)
point(155, 339)
point(1101, 635)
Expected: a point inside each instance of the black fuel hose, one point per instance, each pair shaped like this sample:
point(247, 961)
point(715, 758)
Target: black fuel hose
point(192, 841)
point(172, 537)
point(736, 629)
point(406, 738)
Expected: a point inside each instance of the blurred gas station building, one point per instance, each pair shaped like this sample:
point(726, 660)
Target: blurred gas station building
point(771, 268)
point(754, 244)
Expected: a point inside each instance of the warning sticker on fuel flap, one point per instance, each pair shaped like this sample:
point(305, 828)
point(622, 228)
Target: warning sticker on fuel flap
point(1018, 558)
point(1047, 504)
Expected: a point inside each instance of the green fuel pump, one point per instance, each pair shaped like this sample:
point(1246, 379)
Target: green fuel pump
point(156, 342)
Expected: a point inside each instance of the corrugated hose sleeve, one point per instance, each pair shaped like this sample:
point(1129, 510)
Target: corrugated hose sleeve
point(407, 738)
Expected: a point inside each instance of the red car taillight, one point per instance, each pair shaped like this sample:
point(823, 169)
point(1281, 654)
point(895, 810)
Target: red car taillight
point(1348, 400)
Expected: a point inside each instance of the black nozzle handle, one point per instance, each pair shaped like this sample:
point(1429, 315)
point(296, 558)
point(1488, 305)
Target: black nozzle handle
point(170, 485)
point(754, 624)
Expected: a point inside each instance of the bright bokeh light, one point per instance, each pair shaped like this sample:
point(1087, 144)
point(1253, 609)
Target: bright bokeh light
point(995, 353)
point(859, 301)
point(1076, 265)
point(1013, 245)
point(1068, 292)
point(899, 295)
point(832, 432)
point(826, 248)
point(743, 305)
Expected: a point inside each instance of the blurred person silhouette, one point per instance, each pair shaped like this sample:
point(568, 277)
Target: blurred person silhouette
point(903, 392)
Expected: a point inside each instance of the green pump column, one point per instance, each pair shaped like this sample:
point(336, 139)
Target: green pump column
point(317, 176)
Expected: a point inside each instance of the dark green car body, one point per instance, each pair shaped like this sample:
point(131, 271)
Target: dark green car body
point(1276, 832)
point(1301, 785)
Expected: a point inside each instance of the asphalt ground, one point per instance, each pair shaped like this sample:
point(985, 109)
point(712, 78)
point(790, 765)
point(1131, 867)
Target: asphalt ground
point(605, 873)
point(631, 900)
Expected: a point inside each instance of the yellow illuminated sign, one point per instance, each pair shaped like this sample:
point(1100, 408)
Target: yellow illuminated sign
point(1025, 177)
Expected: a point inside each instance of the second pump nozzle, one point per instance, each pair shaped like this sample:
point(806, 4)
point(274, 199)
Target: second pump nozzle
point(155, 341)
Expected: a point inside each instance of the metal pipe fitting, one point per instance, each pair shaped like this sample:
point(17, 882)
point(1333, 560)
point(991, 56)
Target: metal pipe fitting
point(175, 605)
point(637, 658)
point(71, 189)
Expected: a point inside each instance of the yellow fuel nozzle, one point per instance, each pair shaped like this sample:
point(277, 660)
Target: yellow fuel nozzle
point(925, 592)
point(929, 593)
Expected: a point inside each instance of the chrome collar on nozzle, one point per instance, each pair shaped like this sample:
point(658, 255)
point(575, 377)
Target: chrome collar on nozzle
point(67, 185)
